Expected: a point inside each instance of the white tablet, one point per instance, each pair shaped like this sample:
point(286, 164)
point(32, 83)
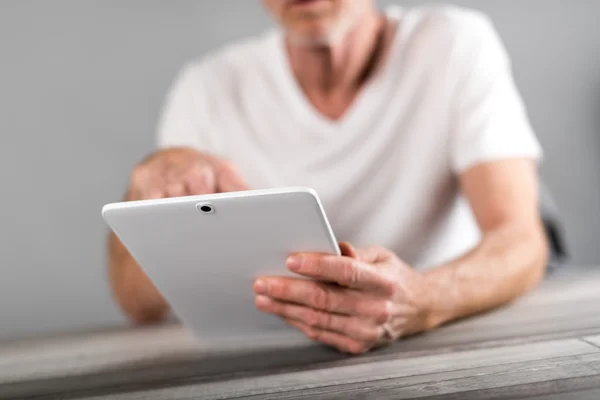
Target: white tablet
point(203, 253)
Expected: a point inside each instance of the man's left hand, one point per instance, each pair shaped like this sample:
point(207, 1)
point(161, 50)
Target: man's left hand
point(355, 302)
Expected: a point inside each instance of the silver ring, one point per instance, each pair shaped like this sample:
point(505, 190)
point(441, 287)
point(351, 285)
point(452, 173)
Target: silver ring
point(387, 332)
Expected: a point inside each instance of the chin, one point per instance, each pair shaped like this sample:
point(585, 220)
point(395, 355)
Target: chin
point(311, 39)
point(317, 34)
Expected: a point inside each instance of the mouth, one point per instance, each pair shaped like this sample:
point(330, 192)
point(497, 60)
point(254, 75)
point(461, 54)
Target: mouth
point(304, 3)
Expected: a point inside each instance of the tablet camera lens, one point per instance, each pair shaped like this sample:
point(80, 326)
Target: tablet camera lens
point(206, 209)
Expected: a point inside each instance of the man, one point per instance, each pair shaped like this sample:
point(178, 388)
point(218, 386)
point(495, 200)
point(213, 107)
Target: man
point(409, 126)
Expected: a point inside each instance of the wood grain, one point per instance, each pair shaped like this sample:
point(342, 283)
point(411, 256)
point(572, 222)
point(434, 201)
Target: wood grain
point(592, 394)
point(513, 380)
point(546, 342)
point(443, 373)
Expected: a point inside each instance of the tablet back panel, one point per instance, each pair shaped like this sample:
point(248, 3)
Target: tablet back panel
point(205, 263)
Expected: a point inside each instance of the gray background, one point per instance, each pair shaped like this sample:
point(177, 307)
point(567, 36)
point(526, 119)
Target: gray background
point(81, 86)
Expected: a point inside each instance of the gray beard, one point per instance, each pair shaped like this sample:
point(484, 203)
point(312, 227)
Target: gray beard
point(335, 35)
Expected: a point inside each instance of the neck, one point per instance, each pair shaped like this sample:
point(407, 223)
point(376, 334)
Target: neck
point(343, 65)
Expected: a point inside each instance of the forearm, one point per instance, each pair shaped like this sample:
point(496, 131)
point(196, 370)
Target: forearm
point(508, 262)
point(133, 290)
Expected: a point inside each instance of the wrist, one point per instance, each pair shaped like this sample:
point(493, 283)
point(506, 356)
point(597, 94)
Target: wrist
point(437, 311)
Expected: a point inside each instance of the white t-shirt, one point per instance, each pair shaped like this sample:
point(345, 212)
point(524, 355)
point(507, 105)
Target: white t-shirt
point(387, 171)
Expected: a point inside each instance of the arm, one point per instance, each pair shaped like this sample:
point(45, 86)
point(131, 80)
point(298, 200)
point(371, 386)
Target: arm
point(134, 292)
point(175, 169)
point(170, 172)
point(376, 298)
point(493, 152)
point(137, 296)
point(511, 257)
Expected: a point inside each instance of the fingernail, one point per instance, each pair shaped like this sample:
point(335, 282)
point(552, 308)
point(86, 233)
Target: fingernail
point(261, 287)
point(262, 301)
point(293, 263)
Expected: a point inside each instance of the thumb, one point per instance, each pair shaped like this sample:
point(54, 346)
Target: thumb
point(348, 250)
point(373, 254)
point(369, 255)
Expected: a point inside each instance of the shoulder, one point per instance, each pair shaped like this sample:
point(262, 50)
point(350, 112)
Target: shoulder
point(229, 64)
point(452, 32)
point(448, 22)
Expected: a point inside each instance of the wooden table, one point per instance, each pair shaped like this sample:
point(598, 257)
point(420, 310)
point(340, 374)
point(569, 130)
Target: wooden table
point(545, 346)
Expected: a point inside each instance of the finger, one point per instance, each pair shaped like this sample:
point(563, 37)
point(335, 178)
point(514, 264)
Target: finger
point(144, 184)
point(318, 295)
point(333, 339)
point(175, 168)
point(347, 250)
point(201, 180)
point(156, 181)
point(326, 297)
point(229, 178)
point(353, 327)
point(342, 270)
point(152, 189)
point(146, 191)
point(373, 254)
point(176, 190)
point(155, 195)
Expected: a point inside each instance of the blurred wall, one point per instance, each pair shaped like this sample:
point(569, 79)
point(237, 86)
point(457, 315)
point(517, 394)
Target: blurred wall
point(81, 86)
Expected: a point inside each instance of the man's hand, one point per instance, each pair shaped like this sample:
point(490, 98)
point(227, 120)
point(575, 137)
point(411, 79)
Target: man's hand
point(166, 173)
point(368, 297)
point(183, 172)
point(354, 302)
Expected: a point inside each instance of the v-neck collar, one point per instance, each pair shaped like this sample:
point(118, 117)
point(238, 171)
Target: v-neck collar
point(362, 104)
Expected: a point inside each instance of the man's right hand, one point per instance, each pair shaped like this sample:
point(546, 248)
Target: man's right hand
point(166, 173)
point(183, 172)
